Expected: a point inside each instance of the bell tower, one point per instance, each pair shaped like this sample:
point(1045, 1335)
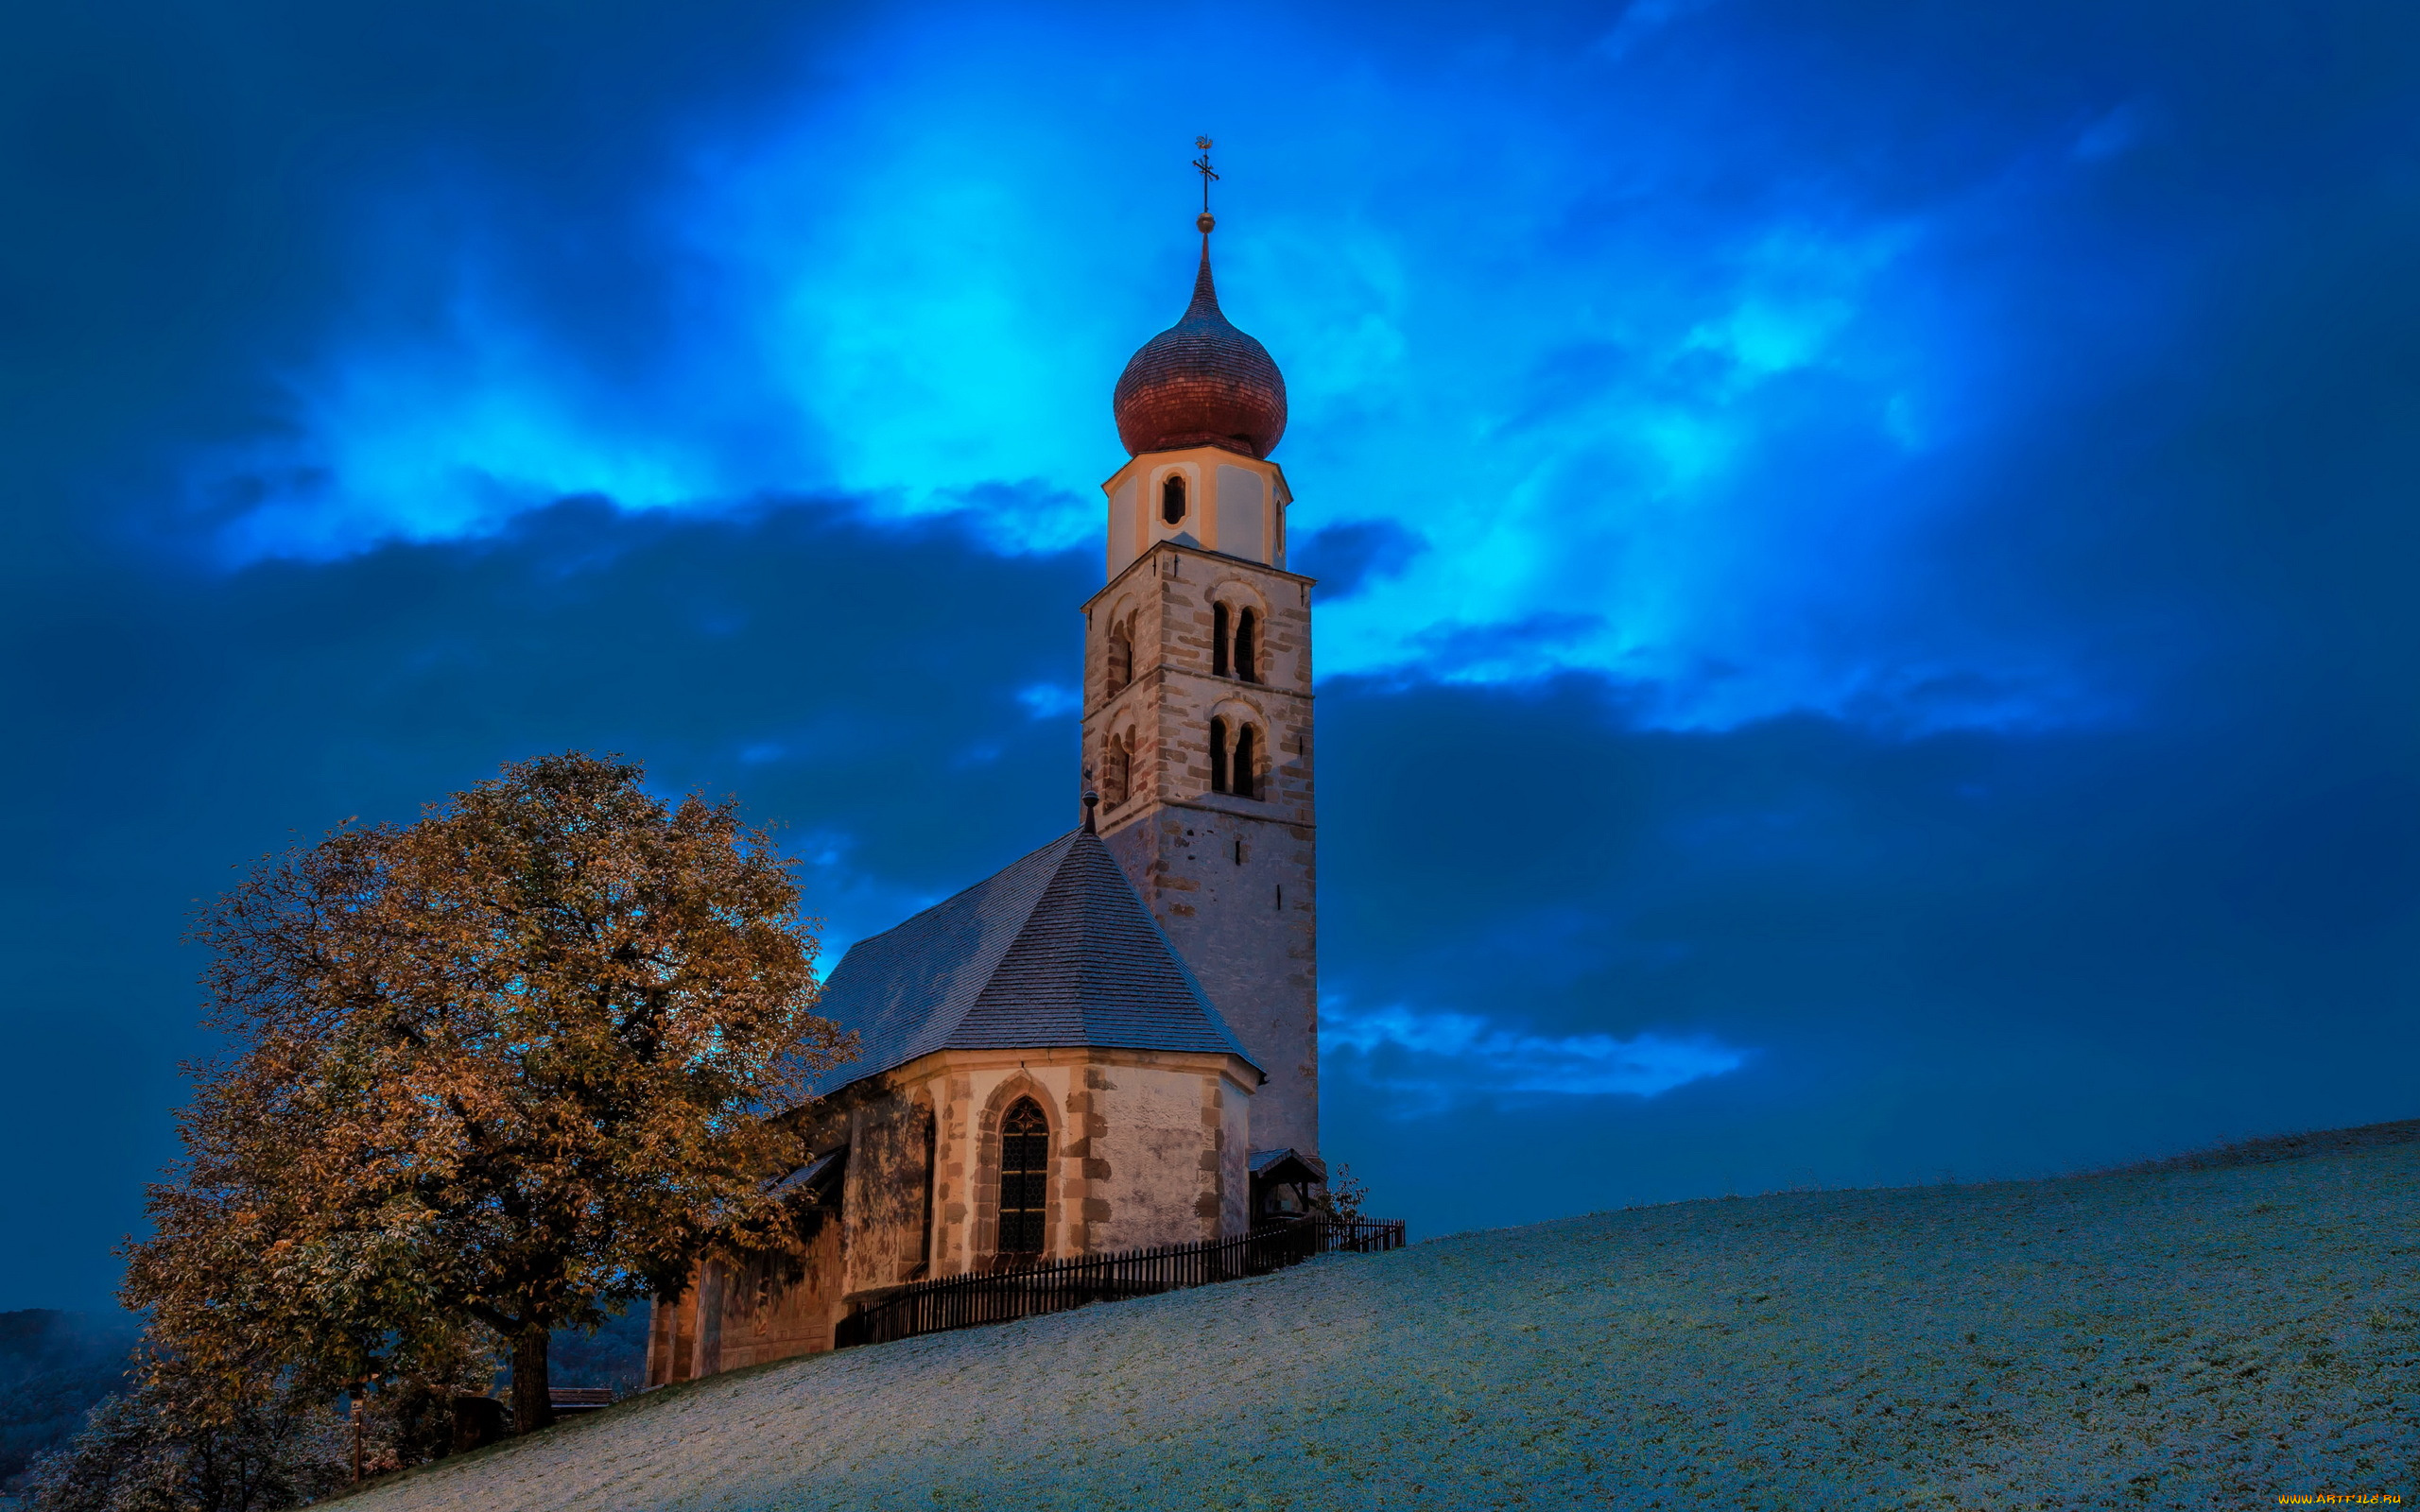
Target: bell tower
point(1196, 720)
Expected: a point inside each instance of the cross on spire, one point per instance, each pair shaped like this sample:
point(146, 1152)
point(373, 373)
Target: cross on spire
point(1203, 165)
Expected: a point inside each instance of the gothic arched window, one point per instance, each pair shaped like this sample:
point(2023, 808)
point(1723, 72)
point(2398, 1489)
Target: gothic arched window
point(1121, 655)
point(1024, 1170)
point(1217, 755)
point(1118, 773)
point(1172, 498)
point(1218, 640)
point(1245, 778)
point(1247, 658)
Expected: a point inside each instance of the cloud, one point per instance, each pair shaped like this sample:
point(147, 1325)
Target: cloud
point(1640, 20)
point(1351, 554)
point(1873, 534)
point(178, 722)
point(1838, 955)
point(1050, 700)
point(1450, 1056)
point(2110, 133)
point(1639, 361)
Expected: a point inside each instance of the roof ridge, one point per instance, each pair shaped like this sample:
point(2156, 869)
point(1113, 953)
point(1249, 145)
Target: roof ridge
point(971, 886)
point(1055, 949)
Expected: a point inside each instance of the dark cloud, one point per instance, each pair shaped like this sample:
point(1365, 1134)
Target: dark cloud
point(1346, 557)
point(197, 195)
point(1998, 954)
point(858, 686)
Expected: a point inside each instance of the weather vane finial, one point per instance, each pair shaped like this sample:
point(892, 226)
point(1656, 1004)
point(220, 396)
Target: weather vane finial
point(1202, 163)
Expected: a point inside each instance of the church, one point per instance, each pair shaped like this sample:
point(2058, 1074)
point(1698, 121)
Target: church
point(1112, 1042)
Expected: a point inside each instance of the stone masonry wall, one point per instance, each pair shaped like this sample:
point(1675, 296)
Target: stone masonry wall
point(1231, 880)
point(1142, 1151)
point(883, 1212)
point(1147, 1147)
point(738, 1314)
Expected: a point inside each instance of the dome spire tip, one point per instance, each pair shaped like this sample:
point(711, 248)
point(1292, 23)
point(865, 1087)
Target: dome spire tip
point(1201, 382)
point(1205, 221)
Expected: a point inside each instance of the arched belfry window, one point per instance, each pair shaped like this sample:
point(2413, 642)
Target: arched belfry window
point(1121, 655)
point(1234, 758)
point(1117, 772)
point(1025, 1169)
point(1172, 498)
point(1218, 640)
point(1247, 655)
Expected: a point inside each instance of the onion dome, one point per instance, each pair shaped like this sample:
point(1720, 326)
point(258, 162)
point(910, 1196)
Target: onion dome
point(1200, 383)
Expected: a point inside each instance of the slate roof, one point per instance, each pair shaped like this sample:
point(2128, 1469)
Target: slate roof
point(1056, 949)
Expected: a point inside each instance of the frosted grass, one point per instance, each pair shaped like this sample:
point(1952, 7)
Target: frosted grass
point(2182, 1338)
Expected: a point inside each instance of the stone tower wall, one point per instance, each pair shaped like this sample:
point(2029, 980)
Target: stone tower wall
point(1232, 880)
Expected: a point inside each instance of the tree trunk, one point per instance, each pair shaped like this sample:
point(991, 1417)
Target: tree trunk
point(532, 1409)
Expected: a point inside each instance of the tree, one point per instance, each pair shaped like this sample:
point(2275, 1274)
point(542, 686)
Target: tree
point(178, 1444)
point(508, 1066)
point(1341, 1202)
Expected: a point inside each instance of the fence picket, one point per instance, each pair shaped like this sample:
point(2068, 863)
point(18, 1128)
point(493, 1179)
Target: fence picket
point(972, 1302)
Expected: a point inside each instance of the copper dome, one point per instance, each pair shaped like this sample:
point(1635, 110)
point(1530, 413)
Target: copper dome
point(1200, 383)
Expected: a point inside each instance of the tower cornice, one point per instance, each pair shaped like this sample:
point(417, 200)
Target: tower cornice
point(1204, 554)
point(1212, 803)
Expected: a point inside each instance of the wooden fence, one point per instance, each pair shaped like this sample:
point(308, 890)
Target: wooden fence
point(1004, 1295)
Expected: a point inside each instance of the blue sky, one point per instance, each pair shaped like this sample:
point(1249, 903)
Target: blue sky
point(1865, 626)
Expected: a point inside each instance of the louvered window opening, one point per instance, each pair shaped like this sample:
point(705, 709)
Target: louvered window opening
point(1025, 1173)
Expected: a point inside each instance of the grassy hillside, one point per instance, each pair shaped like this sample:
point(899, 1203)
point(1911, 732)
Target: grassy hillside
point(2197, 1335)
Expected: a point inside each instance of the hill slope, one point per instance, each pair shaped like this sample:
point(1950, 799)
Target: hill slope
point(2180, 1337)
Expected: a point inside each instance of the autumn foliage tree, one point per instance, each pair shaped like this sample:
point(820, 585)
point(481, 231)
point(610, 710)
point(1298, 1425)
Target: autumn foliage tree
point(505, 1068)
